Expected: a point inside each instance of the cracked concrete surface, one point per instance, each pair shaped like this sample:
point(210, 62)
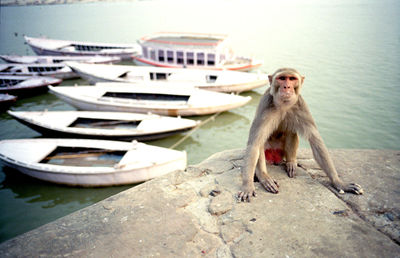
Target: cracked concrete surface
point(194, 213)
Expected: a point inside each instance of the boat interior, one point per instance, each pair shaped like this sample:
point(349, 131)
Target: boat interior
point(83, 122)
point(9, 82)
point(83, 157)
point(147, 96)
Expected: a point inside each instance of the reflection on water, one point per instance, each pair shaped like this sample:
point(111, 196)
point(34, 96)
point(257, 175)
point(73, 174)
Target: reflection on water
point(27, 203)
point(50, 195)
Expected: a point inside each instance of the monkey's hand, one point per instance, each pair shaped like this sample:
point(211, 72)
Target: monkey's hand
point(291, 169)
point(350, 188)
point(247, 192)
point(270, 184)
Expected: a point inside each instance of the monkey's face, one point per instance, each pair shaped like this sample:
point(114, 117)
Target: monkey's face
point(286, 88)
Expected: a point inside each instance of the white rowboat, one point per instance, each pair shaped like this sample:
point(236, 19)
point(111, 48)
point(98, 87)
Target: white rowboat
point(59, 59)
point(89, 163)
point(170, 101)
point(60, 70)
point(103, 125)
point(6, 101)
point(44, 46)
point(222, 81)
point(26, 85)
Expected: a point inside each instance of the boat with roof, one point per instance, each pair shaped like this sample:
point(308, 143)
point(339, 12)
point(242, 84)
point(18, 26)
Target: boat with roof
point(192, 50)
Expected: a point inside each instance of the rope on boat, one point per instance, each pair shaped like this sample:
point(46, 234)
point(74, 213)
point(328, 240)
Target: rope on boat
point(193, 130)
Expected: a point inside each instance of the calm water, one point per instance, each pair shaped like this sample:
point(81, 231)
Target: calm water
point(348, 51)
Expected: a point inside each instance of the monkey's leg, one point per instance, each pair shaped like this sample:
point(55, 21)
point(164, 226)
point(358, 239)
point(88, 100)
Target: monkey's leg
point(291, 146)
point(263, 177)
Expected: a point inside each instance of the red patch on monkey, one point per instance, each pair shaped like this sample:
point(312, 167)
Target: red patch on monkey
point(274, 156)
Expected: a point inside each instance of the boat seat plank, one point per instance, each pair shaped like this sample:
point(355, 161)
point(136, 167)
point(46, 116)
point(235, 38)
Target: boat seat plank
point(24, 153)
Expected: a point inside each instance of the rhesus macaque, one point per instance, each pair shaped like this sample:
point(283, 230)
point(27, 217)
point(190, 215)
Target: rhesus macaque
point(281, 115)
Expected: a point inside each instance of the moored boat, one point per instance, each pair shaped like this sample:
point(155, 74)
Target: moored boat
point(6, 100)
point(170, 101)
point(45, 46)
point(103, 125)
point(191, 50)
point(89, 163)
point(222, 81)
point(26, 85)
point(60, 70)
point(59, 59)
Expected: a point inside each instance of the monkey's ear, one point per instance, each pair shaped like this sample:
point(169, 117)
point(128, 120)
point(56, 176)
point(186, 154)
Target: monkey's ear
point(302, 79)
point(270, 79)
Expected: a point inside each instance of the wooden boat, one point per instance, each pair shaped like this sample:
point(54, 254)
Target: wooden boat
point(44, 46)
point(191, 50)
point(6, 101)
point(170, 101)
point(26, 85)
point(103, 125)
point(89, 163)
point(60, 70)
point(222, 81)
point(59, 59)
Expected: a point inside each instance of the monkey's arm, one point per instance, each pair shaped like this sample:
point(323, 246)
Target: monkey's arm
point(322, 157)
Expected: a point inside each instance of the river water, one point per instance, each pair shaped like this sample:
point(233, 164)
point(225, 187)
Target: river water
point(348, 51)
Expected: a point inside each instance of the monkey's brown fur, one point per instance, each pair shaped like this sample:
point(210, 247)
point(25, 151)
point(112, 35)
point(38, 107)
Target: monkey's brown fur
point(281, 116)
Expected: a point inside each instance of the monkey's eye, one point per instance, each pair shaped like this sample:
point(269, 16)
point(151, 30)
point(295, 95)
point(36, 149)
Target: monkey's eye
point(282, 78)
point(292, 78)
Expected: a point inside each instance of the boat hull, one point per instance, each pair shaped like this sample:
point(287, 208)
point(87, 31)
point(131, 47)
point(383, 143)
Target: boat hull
point(95, 176)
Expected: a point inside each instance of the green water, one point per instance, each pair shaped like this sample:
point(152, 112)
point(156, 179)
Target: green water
point(348, 51)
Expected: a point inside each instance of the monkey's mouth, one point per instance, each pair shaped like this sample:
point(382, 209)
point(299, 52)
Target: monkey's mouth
point(286, 98)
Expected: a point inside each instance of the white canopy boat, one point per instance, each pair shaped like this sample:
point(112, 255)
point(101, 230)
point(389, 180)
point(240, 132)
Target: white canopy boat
point(191, 50)
point(26, 85)
point(44, 46)
point(60, 70)
point(89, 163)
point(59, 59)
point(103, 125)
point(222, 81)
point(171, 101)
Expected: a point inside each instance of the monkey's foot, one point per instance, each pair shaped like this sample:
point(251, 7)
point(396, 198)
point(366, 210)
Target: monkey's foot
point(246, 193)
point(351, 188)
point(291, 169)
point(270, 184)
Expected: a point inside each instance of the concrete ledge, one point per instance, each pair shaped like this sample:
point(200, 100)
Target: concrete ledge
point(194, 213)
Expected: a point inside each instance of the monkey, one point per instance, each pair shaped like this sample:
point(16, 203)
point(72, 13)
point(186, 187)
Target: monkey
point(281, 116)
